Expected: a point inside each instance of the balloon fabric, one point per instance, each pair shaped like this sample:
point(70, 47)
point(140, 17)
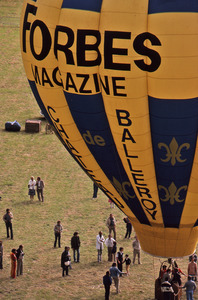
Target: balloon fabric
point(118, 80)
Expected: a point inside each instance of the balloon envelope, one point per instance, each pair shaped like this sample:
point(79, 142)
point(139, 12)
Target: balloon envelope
point(118, 80)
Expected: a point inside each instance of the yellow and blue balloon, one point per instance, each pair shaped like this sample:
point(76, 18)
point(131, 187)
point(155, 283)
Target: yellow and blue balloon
point(118, 80)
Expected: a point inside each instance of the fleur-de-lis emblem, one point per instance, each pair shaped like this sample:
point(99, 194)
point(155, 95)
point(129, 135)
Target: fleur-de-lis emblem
point(172, 193)
point(173, 151)
point(122, 188)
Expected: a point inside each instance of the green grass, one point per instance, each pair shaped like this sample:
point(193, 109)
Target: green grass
point(68, 197)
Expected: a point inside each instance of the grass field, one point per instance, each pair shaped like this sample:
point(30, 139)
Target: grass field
point(68, 197)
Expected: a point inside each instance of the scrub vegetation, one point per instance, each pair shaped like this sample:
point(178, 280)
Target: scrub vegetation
point(68, 197)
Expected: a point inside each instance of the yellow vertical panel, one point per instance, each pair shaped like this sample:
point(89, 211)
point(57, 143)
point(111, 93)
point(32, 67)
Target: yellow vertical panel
point(189, 215)
point(131, 17)
point(176, 78)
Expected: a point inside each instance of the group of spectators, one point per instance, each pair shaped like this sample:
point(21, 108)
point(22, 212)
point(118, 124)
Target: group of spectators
point(75, 245)
point(116, 256)
point(39, 184)
point(16, 255)
point(171, 276)
point(167, 276)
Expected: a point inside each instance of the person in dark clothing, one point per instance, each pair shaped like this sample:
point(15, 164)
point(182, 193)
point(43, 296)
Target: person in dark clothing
point(20, 256)
point(176, 276)
point(8, 222)
point(114, 250)
point(1, 255)
point(120, 259)
point(95, 191)
point(65, 261)
point(75, 245)
point(128, 228)
point(58, 228)
point(166, 289)
point(107, 281)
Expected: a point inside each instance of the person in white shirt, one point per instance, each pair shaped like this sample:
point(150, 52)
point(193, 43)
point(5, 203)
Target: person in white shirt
point(31, 186)
point(99, 245)
point(109, 243)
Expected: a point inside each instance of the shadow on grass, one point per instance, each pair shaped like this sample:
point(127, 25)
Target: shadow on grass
point(29, 202)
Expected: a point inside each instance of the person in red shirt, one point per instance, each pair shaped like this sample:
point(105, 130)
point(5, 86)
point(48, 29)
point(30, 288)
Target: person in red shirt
point(13, 263)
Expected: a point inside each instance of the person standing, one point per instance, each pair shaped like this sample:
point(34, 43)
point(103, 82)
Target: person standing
point(95, 190)
point(99, 245)
point(136, 249)
point(13, 263)
point(58, 228)
point(20, 256)
point(75, 245)
point(107, 281)
point(192, 269)
point(127, 261)
point(31, 186)
point(111, 203)
point(65, 261)
point(1, 255)
point(128, 228)
point(111, 224)
point(190, 287)
point(114, 250)
point(109, 243)
point(120, 259)
point(115, 274)
point(40, 186)
point(8, 222)
point(166, 289)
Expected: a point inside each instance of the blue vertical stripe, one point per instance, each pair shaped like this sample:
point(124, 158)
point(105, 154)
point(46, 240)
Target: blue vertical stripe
point(174, 127)
point(90, 117)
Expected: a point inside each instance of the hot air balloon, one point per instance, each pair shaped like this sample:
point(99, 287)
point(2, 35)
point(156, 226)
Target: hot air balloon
point(118, 80)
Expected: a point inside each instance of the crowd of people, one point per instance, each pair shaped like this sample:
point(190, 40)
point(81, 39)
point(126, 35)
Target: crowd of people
point(115, 255)
point(170, 277)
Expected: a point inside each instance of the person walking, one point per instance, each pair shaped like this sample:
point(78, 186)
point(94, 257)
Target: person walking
point(1, 255)
point(136, 249)
point(13, 263)
point(31, 187)
point(75, 245)
point(20, 256)
point(65, 261)
point(111, 224)
point(190, 287)
point(128, 228)
point(107, 281)
point(40, 186)
point(115, 274)
point(58, 228)
point(109, 243)
point(8, 222)
point(120, 259)
point(99, 245)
